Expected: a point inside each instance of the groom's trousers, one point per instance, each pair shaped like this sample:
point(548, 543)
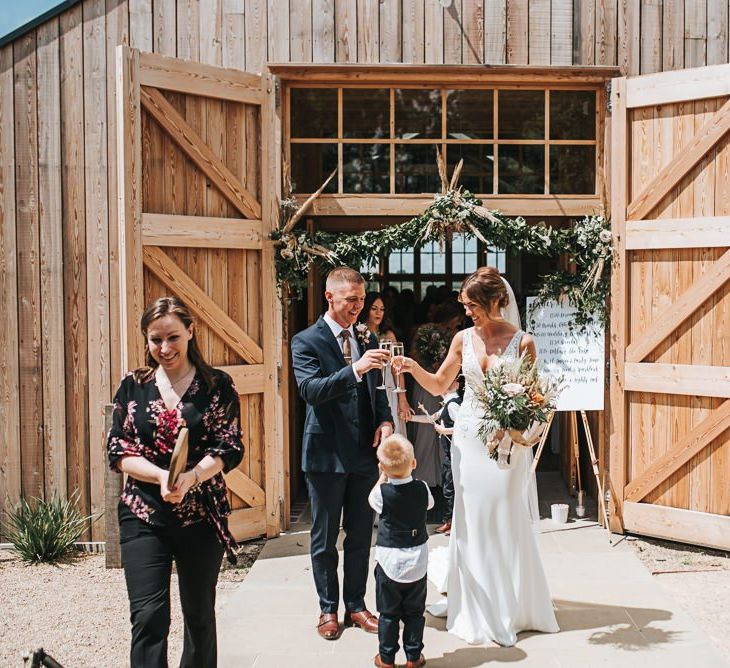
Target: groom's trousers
point(335, 495)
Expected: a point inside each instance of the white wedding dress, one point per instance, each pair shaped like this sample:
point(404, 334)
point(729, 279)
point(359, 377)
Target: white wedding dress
point(492, 569)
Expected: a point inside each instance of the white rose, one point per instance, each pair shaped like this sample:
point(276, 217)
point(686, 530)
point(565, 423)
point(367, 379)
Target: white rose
point(513, 389)
point(287, 254)
point(605, 236)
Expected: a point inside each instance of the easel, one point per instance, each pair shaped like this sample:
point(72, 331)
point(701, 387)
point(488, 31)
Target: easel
point(594, 460)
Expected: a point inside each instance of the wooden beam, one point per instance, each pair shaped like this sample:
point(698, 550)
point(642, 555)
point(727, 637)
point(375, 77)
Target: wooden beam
point(203, 306)
point(705, 232)
point(405, 205)
point(686, 526)
point(129, 187)
point(619, 301)
point(680, 453)
point(180, 231)
point(685, 379)
point(199, 152)
point(676, 313)
point(688, 157)
point(194, 78)
point(245, 488)
point(678, 86)
point(437, 74)
point(274, 447)
point(247, 522)
point(248, 378)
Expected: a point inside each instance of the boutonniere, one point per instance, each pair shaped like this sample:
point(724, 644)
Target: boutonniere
point(363, 333)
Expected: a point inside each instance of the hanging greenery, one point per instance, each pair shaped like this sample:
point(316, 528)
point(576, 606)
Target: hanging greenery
point(587, 243)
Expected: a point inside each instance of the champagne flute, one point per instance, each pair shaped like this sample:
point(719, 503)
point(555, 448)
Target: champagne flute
point(397, 350)
point(384, 345)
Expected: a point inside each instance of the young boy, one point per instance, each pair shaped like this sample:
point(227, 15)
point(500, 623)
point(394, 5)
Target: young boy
point(445, 430)
point(401, 552)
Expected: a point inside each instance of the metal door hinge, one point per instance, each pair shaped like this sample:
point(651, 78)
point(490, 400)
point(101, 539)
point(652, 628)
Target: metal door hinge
point(608, 96)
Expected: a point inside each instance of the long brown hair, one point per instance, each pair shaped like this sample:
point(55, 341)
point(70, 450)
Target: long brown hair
point(484, 286)
point(158, 309)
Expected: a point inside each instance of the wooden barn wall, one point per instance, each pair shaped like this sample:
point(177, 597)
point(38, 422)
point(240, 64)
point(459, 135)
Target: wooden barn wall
point(59, 341)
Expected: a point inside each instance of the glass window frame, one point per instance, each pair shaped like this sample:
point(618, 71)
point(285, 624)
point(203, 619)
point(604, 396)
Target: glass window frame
point(384, 277)
point(495, 142)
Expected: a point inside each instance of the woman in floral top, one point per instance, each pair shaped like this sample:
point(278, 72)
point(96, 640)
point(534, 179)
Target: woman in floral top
point(186, 524)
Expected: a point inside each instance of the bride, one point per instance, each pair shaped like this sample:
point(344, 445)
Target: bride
point(495, 582)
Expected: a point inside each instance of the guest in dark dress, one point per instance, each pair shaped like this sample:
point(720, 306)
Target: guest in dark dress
point(186, 524)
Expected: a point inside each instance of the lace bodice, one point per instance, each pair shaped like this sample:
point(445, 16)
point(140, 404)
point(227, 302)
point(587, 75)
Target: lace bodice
point(470, 364)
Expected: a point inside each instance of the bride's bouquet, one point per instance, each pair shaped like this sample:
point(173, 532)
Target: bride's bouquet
point(516, 399)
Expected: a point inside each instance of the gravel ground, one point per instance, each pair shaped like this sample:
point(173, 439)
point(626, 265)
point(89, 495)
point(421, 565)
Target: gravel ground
point(697, 578)
point(78, 611)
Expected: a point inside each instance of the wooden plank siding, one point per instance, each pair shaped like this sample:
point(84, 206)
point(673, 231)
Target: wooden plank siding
point(60, 336)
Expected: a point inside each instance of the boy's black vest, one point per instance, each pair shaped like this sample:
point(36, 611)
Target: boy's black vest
point(403, 520)
point(445, 415)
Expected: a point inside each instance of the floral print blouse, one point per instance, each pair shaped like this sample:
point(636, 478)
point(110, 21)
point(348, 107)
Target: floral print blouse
point(143, 426)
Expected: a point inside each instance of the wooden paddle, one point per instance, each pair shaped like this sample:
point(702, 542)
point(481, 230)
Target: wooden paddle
point(179, 458)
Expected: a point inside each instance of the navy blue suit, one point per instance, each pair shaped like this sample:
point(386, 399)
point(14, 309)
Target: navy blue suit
point(338, 459)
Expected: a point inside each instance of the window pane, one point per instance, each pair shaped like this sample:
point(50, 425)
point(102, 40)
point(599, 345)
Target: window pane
point(366, 113)
point(573, 170)
point(313, 112)
point(469, 114)
point(521, 169)
point(572, 114)
point(433, 261)
point(401, 261)
point(311, 164)
point(368, 268)
point(402, 285)
point(478, 171)
point(463, 254)
point(416, 170)
point(417, 113)
point(366, 168)
point(496, 257)
point(521, 114)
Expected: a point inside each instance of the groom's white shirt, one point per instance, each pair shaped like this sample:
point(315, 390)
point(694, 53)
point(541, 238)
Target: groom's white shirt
point(354, 347)
point(402, 564)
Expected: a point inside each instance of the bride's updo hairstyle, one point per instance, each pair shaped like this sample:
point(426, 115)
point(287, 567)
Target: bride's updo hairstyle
point(484, 286)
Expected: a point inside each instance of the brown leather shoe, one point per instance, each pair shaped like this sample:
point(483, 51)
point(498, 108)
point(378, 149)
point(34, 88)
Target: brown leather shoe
point(379, 662)
point(328, 628)
point(444, 528)
point(416, 664)
point(364, 619)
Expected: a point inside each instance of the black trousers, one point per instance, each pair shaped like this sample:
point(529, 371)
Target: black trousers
point(447, 479)
point(400, 601)
point(147, 555)
point(335, 495)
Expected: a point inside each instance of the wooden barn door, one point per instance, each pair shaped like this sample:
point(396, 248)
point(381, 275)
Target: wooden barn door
point(197, 201)
point(670, 321)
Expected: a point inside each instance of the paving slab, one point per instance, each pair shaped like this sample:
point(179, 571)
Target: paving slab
point(610, 610)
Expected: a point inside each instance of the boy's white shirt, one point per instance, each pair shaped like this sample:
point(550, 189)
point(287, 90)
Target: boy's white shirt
point(402, 564)
point(453, 408)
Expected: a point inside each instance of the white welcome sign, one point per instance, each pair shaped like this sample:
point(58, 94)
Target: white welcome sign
point(578, 357)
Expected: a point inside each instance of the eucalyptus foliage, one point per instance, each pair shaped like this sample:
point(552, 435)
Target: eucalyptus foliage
point(44, 531)
point(587, 243)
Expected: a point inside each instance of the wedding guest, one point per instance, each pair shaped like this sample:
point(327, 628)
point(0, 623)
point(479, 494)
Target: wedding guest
point(445, 429)
point(430, 346)
point(186, 524)
point(375, 317)
point(401, 553)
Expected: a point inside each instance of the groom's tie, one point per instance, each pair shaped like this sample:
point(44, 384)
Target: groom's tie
point(346, 348)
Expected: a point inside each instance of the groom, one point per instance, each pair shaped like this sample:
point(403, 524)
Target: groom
point(334, 365)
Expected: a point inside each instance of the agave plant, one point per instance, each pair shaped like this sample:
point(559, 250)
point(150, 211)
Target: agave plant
point(45, 530)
